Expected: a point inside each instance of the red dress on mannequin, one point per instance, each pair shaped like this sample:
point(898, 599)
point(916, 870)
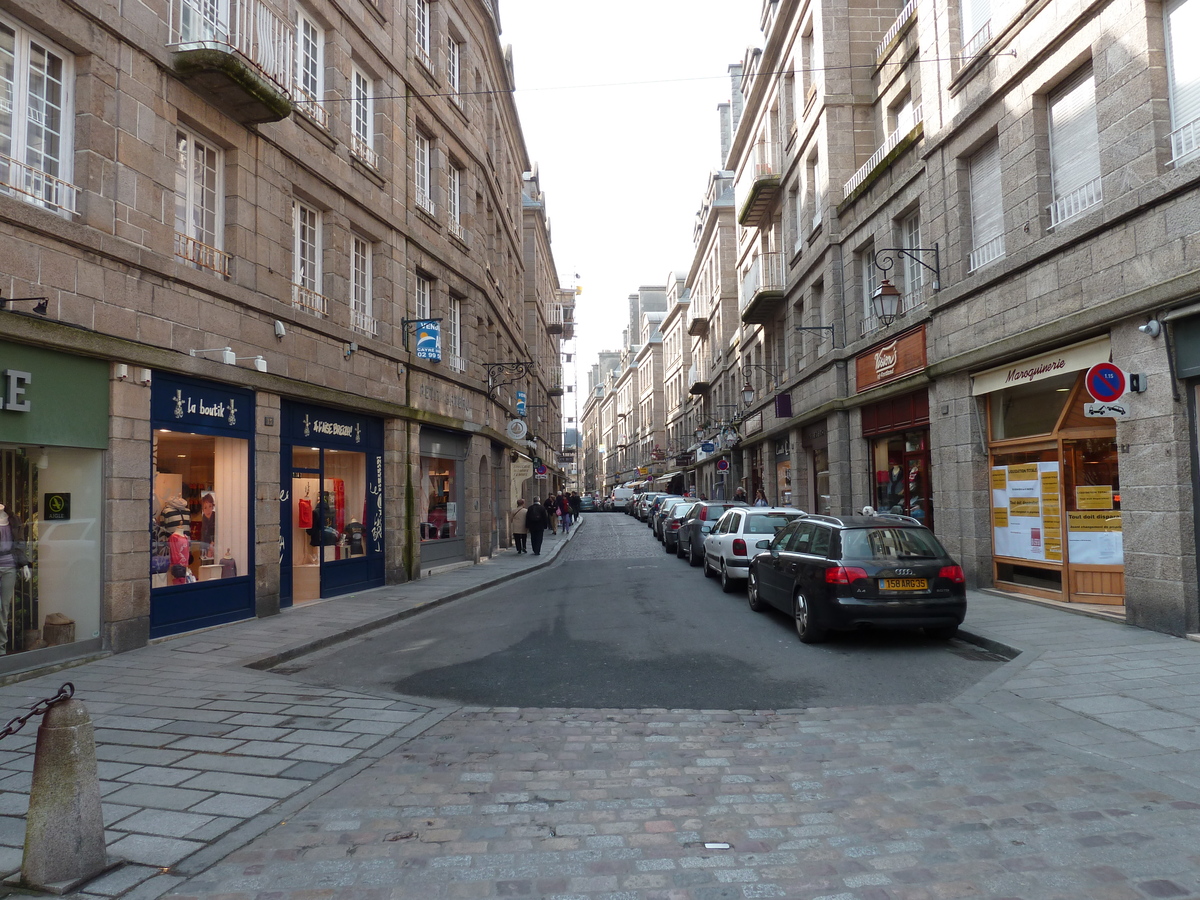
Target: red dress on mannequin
point(180, 549)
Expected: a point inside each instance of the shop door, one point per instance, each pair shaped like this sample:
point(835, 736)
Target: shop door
point(1092, 500)
point(918, 497)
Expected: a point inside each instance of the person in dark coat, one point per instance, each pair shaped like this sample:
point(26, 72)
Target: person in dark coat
point(536, 522)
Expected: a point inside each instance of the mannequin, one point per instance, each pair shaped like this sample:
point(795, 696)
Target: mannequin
point(354, 537)
point(179, 547)
point(13, 563)
point(228, 565)
point(175, 513)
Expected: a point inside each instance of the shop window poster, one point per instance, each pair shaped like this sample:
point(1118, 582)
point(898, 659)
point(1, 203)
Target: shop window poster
point(1026, 513)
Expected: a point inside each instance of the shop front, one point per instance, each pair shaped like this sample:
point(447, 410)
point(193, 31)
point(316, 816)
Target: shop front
point(783, 470)
point(331, 502)
point(201, 517)
point(440, 497)
point(53, 435)
point(815, 438)
point(1055, 479)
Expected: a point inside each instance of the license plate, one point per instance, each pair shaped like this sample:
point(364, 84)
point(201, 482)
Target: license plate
point(906, 584)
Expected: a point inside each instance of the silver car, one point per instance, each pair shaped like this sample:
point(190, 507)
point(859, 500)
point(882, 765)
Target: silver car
point(731, 544)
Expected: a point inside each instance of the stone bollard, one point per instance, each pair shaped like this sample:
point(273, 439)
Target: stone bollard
point(64, 829)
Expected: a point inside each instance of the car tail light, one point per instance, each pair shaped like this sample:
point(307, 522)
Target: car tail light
point(953, 573)
point(673, 525)
point(739, 547)
point(844, 574)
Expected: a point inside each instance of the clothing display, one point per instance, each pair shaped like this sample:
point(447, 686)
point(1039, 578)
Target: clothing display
point(180, 552)
point(304, 513)
point(228, 566)
point(13, 564)
point(355, 536)
point(174, 515)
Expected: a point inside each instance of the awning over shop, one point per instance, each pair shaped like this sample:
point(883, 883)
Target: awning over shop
point(666, 479)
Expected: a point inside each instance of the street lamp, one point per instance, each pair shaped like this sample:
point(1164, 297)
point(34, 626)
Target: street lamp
point(885, 302)
point(748, 391)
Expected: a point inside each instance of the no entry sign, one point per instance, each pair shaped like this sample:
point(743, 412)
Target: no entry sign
point(1105, 382)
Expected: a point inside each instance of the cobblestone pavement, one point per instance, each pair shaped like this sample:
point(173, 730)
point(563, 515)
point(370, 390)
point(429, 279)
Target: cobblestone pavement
point(871, 804)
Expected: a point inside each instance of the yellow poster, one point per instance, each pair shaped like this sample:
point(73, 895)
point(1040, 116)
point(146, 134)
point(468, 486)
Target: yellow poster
point(1049, 484)
point(999, 517)
point(999, 479)
point(1094, 496)
point(1053, 549)
point(1023, 472)
point(1026, 507)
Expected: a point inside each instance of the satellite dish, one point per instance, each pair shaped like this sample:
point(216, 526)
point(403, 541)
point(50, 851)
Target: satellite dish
point(517, 429)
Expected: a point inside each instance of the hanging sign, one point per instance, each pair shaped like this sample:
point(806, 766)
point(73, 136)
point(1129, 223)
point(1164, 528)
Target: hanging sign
point(521, 403)
point(429, 340)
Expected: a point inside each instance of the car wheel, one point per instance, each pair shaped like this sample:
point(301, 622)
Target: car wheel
point(694, 558)
point(728, 585)
point(806, 626)
point(752, 598)
point(680, 553)
point(942, 632)
point(667, 548)
point(708, 572)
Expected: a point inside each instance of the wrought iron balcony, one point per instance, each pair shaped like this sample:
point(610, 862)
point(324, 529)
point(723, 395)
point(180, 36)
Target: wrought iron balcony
point(201, 255)
point(309, 301)
point(763, 180)
point(238, 53)
point(698, 379)
point(37, 187)
point(762, 289)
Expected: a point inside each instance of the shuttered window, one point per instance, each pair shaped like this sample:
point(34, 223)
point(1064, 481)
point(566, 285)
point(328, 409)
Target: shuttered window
point(987, 207)
point(1074, 148)
point(976, 25)
point(1183, 68)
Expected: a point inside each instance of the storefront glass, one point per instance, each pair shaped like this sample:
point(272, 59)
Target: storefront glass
point(900, 463)
point(821, 481)
point(439, 502)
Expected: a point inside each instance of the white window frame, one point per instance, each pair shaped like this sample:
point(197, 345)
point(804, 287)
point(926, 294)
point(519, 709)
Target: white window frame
point(423, 173)
point(816, 188)
point(36, 159)
point(454, 50)
point(422, 33)
point(1074, 148)
point(362, 117)
point(200, 203)
point(985, 189)
point(453, 332)
point(306, 260)
point(362, 304)
point(913, 272)
point(869, 278)
point(454, 201)
point(309, 87)
point(976, 26)
point(422, 293)
point(1181, 20)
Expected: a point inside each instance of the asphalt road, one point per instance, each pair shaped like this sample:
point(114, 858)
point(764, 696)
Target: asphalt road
point(618, 623)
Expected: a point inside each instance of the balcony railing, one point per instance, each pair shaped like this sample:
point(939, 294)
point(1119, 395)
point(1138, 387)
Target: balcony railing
point(1185, 141)
point(765, 275)
point(425, 202)
point(422, 53)
point(364, 151)
point(36, 186)
point(201, 255)
point(763, 175)
point(901, 20)
point(456, 230)
point(1080, 199)
point(986, 253)
point(309, 301)
point(978, 39)
point(311, 106)
point(248, 28)
point(363, 323)
point(903, 129)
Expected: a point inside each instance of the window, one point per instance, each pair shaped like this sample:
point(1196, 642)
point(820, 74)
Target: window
point(869, 277)
point(310, 69)
point(901, 118)
point(913, 272)
point(1074, 148)
point(306, 256)
point(423, 172)
point(362, 106)
point(976, 26)
point(35, 116)
point(454, 201)
point(454, 334)
point(198, 198)
point(816, 187)
point(421, 24)
point(1183, 75)
point(421, 297)
point(454, 69)
point(361, 304)
point(987, 209)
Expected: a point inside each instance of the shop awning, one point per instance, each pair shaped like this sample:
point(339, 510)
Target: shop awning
point(667, 478)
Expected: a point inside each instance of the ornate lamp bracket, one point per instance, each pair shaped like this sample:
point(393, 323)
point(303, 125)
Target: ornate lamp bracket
point(500, 374)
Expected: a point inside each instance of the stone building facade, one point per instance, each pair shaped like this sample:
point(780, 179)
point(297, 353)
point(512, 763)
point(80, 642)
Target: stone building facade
point(270, 295)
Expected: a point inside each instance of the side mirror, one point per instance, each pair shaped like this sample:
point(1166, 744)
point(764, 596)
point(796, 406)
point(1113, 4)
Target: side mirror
point(705, 528)
point(766, 545)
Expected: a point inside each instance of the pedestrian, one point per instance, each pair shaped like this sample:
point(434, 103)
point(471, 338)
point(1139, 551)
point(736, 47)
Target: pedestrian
point(739, 496)
point(551, 514)
point(536, 522)
point(760, 498)
point(576, 505)
point(563, 506)
point(519, 531)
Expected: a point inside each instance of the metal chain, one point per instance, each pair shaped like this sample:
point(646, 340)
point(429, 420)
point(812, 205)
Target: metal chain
point(16, 723)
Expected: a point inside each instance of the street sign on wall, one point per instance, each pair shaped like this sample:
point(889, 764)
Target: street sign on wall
point(1105, 382)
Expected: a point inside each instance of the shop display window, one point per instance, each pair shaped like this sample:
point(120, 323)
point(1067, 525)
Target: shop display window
point(199, 528)
point(329, 512)
point(51, 513)
point(900, 463)
point(824, 500)
point(1028, 409)
point(439, 499)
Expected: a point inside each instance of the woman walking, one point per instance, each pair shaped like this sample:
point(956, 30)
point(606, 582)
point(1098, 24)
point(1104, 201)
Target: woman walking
point(519, 530)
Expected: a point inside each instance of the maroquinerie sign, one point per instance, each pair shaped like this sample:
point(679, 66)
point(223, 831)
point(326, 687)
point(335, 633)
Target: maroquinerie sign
point(1057, 362)
point(902, 355)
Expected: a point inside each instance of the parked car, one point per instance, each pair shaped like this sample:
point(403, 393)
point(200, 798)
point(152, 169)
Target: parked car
point(830, 572)
point(664, 509)
point(587, 503)
point(642, 509)
point(673, 520)
point(652, 512)
point(618, 498)
point(700, 520)
point(732, 541)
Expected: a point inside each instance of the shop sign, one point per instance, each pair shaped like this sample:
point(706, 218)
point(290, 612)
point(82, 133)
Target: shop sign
point(708, 446)
point(429, 340)
point(204, 404)
point(752, 423)
point(49, 398)
point(13, 398)
point(56, 507)
point(900, 356)
point(1037, 368)
point(320, 425)
point(521, 396)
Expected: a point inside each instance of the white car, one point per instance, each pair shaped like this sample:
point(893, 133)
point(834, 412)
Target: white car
point(731, 544)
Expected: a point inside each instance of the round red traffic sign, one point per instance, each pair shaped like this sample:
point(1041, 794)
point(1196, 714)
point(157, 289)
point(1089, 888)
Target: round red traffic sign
point(722, 465)
point(1105, 382)
point(541, 470)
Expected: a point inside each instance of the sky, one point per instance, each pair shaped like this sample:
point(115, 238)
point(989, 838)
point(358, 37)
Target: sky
point(618, 105)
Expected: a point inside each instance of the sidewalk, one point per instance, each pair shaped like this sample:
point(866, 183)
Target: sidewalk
point(201, 751)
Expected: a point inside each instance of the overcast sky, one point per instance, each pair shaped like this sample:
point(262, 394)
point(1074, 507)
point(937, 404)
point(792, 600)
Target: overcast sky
point(618, 103)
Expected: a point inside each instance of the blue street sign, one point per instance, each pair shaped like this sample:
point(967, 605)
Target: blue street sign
point(520, 403)
point(708, 446)
point(429, 340)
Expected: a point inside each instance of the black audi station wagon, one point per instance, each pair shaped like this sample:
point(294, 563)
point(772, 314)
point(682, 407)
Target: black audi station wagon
point(847, 572)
